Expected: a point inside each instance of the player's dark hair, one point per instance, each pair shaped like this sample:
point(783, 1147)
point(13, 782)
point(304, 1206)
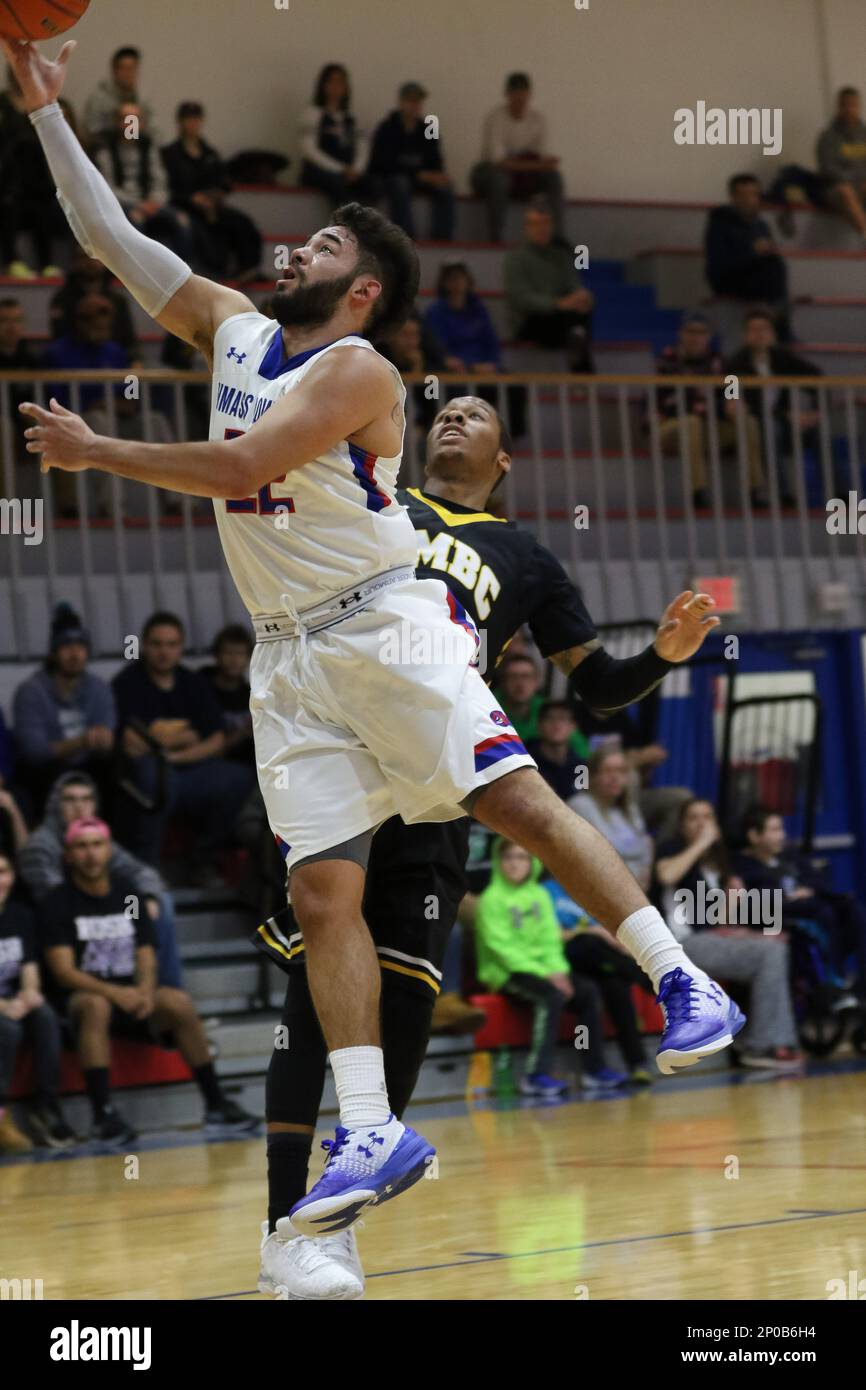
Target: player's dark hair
point(233, 634)
point(384, 250)
point(518, 82)
point(162, 618)
point(847, 92)
point(321, 81)
point(736, 179)
point(755, 819)
point(127, 52)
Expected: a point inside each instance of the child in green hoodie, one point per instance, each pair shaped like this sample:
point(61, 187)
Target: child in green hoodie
point(519, 945)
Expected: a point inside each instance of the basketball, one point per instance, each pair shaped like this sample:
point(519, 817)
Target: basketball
point(39, 19)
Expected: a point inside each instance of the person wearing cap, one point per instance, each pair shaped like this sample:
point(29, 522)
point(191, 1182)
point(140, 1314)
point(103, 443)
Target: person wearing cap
point(63, 716)
point(226, 243)
point(693, 355)
point(406, 162)
point(515, 161)
point(98, 945)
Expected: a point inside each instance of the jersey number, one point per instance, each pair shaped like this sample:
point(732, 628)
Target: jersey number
point(262, 504)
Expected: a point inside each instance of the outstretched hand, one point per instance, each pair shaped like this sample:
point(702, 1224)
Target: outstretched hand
point(63, 439)
point(40, 79)
point(686, 623)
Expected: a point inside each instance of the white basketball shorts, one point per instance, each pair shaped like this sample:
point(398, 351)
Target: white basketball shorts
point(379, 714)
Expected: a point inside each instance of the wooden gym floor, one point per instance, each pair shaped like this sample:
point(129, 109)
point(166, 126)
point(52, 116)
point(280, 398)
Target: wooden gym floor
point(703, 1188)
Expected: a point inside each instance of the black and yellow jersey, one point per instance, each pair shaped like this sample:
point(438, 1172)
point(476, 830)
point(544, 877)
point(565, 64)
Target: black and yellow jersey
point(500, 573)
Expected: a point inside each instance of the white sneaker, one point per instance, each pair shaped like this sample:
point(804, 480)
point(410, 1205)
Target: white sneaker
point(297, 1267)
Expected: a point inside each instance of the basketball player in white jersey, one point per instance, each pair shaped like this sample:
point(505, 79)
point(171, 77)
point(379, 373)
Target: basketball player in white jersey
point(305, 443)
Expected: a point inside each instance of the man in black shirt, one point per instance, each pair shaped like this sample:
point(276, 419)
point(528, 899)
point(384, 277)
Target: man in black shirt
point(179, 710)
point(406, 161)
point(552, 750)
point(26, 1018)
point(99, 946)
point(227, 677)
point(503, 578)
point(742, 260)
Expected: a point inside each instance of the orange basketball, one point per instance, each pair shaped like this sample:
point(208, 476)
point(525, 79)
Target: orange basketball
point(39, 19)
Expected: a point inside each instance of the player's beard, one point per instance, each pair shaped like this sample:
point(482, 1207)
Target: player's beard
point(310, 306)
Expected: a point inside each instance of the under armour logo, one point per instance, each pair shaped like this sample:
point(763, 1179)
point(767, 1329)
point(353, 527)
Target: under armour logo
point(238, 356)
point(352, 598)
point(272, 627)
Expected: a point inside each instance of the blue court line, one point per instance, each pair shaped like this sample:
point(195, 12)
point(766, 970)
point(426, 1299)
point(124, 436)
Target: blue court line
point(585, 1245)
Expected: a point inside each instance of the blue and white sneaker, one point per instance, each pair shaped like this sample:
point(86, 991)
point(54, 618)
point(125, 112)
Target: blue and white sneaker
point(700, 1019)
point(538, 1084)
point(365, 1167)
point(605, 1079)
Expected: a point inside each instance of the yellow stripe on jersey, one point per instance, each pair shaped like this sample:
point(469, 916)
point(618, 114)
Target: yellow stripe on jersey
point(278, 946)
point(416, 974)
point(452, 518)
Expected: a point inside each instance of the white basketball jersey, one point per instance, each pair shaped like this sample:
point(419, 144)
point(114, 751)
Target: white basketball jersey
point(318, 529)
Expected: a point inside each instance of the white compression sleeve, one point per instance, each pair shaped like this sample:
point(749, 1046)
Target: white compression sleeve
point(150, 272)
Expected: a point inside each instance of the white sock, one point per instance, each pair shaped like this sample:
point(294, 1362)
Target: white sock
point(648, 938)
point(359, 1073)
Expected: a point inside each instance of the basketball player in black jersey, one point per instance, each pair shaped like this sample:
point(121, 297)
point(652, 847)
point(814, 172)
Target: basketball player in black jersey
point(416, 876)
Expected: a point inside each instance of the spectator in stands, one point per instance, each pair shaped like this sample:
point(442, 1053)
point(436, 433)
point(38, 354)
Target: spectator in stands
point(547, 305)
point(554, 749)
point(693, 356)
point(612, 807)
point(461, 322)
point(226, 243)
point(88, 276)
point(89, 346)
point(16, 355)
point(520, 953)
point(414, 348)
point(118, 90)
point(841, 153)
point(13, 827)
point(761, 355)
point(178, 710)
point(515, 162)
point(73, 797)
point(28, 201)
point(232, 649)
point(64, 716)
point(698, 855)
point(406, 162)
point(742, 259)
point(100, 951)
point(518, 690)
point(591, 951)
point(767, 862)
point(135, 174)
point(334, 150)
point(26, 1018)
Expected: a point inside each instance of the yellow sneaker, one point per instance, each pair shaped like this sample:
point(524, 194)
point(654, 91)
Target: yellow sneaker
point(12, 1139)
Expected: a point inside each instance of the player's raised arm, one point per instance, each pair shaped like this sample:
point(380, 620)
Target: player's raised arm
point(187, 305)
point(353, 398)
